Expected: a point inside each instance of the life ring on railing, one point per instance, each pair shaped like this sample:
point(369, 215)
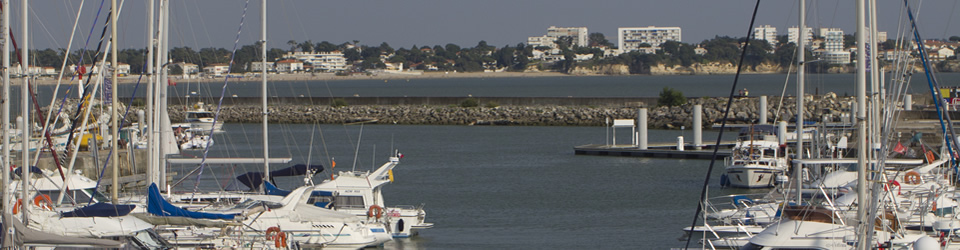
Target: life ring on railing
point(934, 207)
point(48, 204)
point(912, 178)
point(375, 211)
point(281, 240)
point(18, 206)
point(271, 231)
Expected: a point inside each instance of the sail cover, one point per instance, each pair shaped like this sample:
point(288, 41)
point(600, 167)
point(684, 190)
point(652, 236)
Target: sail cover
point(158, 206)
point(100, 210)
point(254, 179)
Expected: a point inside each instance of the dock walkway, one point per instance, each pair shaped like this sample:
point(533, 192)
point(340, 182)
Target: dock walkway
point(662, 150)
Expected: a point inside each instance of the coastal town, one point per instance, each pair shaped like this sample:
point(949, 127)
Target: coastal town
point(566, 50)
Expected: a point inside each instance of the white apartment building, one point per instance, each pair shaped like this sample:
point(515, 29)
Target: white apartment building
point(793, 33)
point(537, 41)
point(766, 32)
point(188, 68)
point(579, 34)
point(832, 39)
point(258, 67)
point(216, 69)
point(322, 61)
point(289, 65)
point(630, 39)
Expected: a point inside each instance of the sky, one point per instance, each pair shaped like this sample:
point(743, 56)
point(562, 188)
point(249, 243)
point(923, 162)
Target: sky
point(214, 23)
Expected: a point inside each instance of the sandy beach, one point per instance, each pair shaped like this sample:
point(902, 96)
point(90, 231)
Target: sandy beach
point(327, 76)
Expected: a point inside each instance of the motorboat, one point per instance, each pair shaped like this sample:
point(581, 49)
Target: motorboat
point(757, 160)
point(201, 118)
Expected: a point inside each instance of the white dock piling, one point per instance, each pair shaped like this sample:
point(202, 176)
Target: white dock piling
point(782, 132)
point(680, 143)
point(642, 128)
point(908, 102)
point(697, 126)
point(763, 110)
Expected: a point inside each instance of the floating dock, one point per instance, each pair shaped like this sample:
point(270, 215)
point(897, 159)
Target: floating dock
point(656, 151)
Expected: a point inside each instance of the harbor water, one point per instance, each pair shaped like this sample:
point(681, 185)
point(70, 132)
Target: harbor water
point(497, 187)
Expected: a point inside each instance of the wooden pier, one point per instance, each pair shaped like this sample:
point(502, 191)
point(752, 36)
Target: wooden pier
point(656, 151)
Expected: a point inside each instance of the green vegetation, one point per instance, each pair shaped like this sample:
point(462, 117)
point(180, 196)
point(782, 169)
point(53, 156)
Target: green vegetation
point(469, 103)
point(482, 56)
point(671, 97)
point(339, 102)
point(492, 104)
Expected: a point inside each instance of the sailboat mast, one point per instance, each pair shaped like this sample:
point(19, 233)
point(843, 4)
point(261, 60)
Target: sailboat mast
point(263, 89)
point(115, 137)
point(25, 108)
point(163, 127)
point(864, 239)
point(801, 71)
point(152, 173)
point(5, 124)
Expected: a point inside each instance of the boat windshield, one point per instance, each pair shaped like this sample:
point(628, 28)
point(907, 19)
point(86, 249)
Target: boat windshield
point(248, 204)
point(198, 115)
point(77, 195)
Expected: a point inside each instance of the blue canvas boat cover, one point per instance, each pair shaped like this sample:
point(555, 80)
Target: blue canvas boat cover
point(100, 209)
point(158, 206)
point(33, 169)
point(253, 179)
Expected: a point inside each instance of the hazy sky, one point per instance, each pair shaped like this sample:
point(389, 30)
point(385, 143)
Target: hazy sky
point(207, 23)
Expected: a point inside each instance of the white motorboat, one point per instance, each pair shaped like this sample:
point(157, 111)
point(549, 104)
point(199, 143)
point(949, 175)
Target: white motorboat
point(757, 161)
point(201, 118)
point(359, 193)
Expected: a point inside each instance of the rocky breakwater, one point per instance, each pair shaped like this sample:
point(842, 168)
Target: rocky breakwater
point(743, 110)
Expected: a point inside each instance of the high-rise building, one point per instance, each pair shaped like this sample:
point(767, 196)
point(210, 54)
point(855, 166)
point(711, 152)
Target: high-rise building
point(832, 39)
point(579, 34)
point(793, 33)
point(766, 32)
point(629, 39)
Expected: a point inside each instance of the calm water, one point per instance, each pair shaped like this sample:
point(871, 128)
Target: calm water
point(576, 86)
point(492, 187)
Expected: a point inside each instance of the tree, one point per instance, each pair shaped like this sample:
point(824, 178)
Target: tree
point(293, 45)
point(598, 39)
point(954, 38)
point(670, 97)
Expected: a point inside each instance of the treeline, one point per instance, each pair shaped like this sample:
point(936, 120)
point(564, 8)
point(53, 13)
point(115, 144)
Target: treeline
point(452, 57)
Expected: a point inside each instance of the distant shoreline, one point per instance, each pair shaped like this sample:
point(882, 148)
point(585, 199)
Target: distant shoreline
point(330, 76)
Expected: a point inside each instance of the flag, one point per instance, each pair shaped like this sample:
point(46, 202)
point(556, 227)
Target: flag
point(171, 83)
point(400, 155)
point(900, 148)
point(80, 71)
point(333, 164)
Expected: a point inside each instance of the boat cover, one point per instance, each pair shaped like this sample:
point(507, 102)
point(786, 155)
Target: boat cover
point(253, 179)
point(33, 169)
point(158, 206)
point(25, 236)
point(100, 209)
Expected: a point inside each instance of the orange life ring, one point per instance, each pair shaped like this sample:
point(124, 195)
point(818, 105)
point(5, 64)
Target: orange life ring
point(281, 240)
point(18, 206)
point(934, 208)
point(912, 178)
point(375, 211)
point(271, 231)
point(45, 199)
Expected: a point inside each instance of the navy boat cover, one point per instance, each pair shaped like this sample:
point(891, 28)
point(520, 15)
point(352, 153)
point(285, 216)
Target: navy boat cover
point(100, 210)
point(158, 206)
point(253, 179)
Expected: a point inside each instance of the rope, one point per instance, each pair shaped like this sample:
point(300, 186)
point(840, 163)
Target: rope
point(223, 92)
point(932, 83)
point(723, 122)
